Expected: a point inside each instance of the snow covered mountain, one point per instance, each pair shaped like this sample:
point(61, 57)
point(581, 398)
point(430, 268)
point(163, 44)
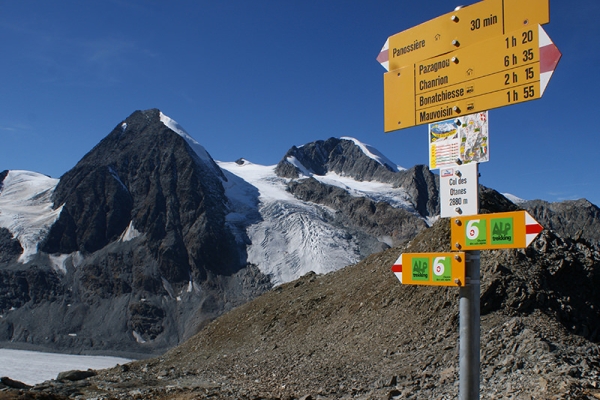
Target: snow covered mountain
point(147, 237)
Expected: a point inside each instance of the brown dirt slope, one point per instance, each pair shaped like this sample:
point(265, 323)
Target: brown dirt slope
point(359, 333)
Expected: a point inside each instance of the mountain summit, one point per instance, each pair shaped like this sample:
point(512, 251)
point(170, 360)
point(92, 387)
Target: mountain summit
point(144, 177)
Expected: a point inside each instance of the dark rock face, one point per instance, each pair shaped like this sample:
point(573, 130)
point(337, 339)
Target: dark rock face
point(345, 158)
point(577, 219)
point(423, 189)
point(490, 201)
point(2, 177)
point(146, 174)
point(10, 249)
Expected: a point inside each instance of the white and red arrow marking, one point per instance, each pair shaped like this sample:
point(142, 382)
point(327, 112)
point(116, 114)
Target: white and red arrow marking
point(384, 55)
point(397, 268)
point(549, 58)
point(532, 228)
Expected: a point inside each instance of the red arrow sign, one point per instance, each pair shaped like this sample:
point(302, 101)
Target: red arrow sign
point(532, 229)
point(509, 230)
point(433, 269)
point(549, 58)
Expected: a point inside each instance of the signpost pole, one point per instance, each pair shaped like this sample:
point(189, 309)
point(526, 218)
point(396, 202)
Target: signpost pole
point(469, 325)
point(469, 320)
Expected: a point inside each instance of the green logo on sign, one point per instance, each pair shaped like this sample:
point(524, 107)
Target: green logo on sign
point(442, 269)
point(420, 269)
point(476, 232)
point(502, 231)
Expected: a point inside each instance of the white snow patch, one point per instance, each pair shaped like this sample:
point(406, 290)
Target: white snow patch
point(291, 238)
point(430, 220)
point(296, 163)
point(130, 233)
point(32, 367)
point(513, 198)
point(59, 262)
point(376, 191)
point(375, 154)
point(197, 147)
point(263, 178)
point(138, 337)
point(26, 209)
point(294, 239)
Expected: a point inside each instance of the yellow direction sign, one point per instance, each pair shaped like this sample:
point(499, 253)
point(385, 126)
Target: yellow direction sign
point(433, 269)
point(510, 230)
point(497, 72)
point(460, 28)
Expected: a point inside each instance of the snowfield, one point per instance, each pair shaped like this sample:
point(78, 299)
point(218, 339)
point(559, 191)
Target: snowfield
point(32, 367)
point(290, 237)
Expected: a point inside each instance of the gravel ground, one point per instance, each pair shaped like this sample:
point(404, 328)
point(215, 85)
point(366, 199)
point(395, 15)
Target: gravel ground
point(358, 333)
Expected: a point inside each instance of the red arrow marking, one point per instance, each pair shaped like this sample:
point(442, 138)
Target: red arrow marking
point(549, 58)
point(533, 229)
point(397, 268)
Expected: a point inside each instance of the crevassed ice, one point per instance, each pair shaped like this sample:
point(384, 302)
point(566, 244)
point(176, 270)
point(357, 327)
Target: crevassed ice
point(26, 209)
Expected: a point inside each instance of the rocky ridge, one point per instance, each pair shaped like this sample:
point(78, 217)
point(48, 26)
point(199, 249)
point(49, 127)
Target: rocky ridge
point(359, 333)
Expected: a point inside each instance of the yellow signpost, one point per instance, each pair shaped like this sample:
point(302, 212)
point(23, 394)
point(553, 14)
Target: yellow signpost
point(509, 230)
point(491, 54)
point(460, 28)
point(494, 73)
point(432, 269)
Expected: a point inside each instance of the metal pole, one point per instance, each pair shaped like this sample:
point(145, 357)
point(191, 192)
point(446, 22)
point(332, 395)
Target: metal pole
point(469, 340)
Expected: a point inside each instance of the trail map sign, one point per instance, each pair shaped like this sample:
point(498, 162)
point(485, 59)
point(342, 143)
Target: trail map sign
point(464, 139)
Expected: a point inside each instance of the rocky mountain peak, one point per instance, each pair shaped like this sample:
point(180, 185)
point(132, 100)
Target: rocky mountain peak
point(145, 175)
point(342, 156)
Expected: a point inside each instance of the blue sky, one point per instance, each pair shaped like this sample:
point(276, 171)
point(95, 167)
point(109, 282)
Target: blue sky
point(252, 78)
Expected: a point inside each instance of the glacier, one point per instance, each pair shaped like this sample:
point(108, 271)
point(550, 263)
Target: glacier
point(26, 208)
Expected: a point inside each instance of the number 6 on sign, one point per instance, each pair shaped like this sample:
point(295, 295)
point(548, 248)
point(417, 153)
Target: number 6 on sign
point(434, 269)
point(439, 265)
point(472, 229)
